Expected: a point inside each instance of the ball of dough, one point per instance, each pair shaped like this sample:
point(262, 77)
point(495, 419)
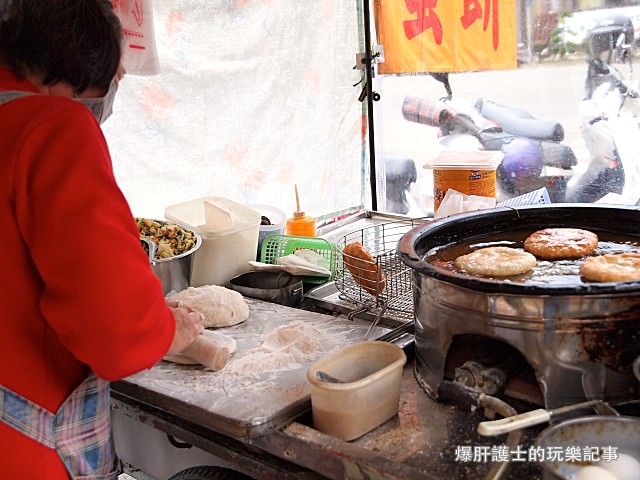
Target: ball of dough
point(220, 306)
point(625, 467)
point(593, 472)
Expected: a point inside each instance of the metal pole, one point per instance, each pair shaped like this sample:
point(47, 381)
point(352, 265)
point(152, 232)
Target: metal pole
point(369, 78)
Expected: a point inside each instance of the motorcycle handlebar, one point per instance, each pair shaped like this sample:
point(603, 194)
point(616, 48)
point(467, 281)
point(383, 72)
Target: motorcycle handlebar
point(624, 89)
point(620, 83)
point(434, 113)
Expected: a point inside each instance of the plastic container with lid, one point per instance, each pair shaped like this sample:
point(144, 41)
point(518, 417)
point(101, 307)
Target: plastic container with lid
point(229, 234)
point(470, 173)
point(368, 392)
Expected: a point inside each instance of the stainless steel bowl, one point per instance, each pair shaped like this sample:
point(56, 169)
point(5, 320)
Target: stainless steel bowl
point(174, 272)
point(622, 433)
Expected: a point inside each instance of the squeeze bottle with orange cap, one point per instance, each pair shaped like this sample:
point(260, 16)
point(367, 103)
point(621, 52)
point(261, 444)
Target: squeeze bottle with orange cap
point(300, 225)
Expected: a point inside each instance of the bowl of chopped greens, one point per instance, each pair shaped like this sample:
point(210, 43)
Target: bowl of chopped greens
point(170, 247)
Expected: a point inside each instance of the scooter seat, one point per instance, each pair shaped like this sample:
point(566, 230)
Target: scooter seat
point(519, 122)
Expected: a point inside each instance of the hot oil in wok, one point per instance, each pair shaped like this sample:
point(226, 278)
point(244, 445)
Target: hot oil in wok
point(549, 272)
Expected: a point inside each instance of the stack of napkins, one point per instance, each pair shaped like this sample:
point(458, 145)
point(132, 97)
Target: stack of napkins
point(456, 202)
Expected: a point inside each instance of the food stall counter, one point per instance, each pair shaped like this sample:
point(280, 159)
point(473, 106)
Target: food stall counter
point(256, 418)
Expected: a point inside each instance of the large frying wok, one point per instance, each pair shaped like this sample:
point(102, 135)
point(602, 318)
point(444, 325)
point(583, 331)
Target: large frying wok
point(580, 339)
point(622, 220)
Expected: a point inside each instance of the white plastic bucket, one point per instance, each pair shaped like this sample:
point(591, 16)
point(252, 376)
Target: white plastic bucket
point(225, 253)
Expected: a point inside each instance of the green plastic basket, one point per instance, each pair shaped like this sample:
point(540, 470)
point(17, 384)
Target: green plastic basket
point(276, 246)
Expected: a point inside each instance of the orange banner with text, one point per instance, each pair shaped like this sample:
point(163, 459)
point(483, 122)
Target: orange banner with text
point(446, 35)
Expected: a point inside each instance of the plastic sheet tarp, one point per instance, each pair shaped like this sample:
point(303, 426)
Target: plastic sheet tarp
point(252, 97)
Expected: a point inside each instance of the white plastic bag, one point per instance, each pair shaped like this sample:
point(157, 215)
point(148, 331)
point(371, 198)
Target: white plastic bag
point(140, 55)
point(457, 202)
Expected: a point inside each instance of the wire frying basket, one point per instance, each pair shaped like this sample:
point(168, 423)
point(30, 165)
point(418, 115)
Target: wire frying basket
point(383, 283)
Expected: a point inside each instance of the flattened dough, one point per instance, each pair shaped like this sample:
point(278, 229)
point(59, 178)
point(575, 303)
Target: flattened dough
point(555, 243)
point(220, 339)
point(496, 261)
point(221, 307)
point(612, 267)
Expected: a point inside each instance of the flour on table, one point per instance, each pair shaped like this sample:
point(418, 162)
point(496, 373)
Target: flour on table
point(285, 348)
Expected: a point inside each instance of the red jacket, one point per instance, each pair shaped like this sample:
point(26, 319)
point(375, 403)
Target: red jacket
point(76, 289)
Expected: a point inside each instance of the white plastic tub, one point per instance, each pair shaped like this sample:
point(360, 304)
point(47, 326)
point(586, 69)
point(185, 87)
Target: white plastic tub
point(227, 249)
point(371, 372)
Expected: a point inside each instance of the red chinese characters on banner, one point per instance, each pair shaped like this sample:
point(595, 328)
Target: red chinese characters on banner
point(473, 12)
point(446, 35)
point(427, 18)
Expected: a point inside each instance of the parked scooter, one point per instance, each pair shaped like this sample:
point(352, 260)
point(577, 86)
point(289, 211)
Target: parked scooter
point(610, 41)
point(534, 156)
point(610, 130)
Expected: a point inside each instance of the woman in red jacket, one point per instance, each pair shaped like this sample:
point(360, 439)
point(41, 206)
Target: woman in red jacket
point(80, 303)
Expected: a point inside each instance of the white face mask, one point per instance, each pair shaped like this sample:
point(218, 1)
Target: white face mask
point(102, 107)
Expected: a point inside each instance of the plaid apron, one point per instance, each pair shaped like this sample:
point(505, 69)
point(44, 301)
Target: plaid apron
point(80, 431)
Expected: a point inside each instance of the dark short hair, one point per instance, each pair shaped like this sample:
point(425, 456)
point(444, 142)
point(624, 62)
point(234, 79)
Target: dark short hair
point(75, 41)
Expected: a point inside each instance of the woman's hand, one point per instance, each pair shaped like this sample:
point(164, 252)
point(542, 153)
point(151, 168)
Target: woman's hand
point(189, 324)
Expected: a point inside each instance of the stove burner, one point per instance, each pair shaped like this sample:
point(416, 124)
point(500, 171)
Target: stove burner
point(492, 367)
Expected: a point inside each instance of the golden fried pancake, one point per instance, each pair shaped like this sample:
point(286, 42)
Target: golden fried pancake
point(612, 267)
point(363, 268)
point(496, 261)
point(555, 243)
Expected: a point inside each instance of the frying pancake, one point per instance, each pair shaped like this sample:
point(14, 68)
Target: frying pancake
point(612, 267)
point(556, 243)
point(496, 262)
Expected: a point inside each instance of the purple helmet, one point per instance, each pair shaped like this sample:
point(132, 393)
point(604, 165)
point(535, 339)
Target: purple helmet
point(522, 158)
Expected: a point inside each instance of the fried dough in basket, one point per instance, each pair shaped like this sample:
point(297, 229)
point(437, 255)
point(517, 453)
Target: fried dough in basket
point(556, 243)
point(496, 262)
point(363, 268)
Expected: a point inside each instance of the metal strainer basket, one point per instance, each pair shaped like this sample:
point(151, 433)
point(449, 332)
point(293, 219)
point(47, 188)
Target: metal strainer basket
point(391, 277)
